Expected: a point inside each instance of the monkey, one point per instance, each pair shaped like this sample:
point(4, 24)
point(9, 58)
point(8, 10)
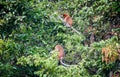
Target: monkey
point(68, 22)
point(61, 55)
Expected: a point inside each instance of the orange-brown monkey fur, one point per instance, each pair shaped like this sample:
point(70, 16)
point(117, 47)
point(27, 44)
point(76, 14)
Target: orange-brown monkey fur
point(68, 22)
point(68, 19)
point(61, 55)
point(60, 50)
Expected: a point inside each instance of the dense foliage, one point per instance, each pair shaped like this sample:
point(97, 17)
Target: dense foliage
point(30, 29)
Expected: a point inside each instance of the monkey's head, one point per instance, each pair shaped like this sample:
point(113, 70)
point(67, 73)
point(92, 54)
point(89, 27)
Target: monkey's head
point(65, 15)
point(58, 47)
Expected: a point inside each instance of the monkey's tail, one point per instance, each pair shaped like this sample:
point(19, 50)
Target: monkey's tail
point(76, 31)
point(62, 63)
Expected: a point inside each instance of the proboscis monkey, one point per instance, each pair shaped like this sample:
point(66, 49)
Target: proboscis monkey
point(61, 54)
point(68, 22)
